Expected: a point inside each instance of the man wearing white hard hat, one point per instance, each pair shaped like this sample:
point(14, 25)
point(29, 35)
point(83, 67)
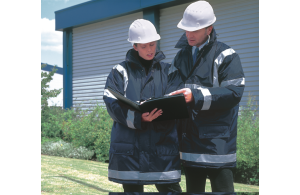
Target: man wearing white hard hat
point(210, 75)
point(142, 151)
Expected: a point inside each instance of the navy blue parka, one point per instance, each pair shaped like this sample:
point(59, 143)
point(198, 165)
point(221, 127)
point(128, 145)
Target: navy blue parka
point(217, 81)
point(140, 152)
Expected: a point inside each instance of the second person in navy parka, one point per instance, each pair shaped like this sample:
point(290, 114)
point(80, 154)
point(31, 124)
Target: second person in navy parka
point(141, 152)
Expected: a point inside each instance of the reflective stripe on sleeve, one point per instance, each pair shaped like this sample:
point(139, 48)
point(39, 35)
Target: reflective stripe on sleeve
point(208, 158)
point(130, 119)
point(108, 94)
point(206, 94)
point(123, 71)
point(149, 176)
point(218, 61)
point(236, 82)
point(207, 98)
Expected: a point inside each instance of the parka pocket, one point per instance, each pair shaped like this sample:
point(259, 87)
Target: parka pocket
point(121, 148)
point(167, 150)
point(214, 131)
point(214, 118)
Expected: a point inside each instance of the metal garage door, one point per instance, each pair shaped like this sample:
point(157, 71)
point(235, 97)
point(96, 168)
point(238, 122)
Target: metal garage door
point(237, 25)
point(96, 49)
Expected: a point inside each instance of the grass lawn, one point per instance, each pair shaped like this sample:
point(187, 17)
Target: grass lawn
point(73, 176)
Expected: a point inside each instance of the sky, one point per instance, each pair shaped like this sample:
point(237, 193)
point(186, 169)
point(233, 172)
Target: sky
point(51, 40)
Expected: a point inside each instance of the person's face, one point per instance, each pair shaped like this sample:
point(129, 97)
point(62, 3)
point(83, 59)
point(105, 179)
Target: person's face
point(146, 50)
point(198, 37)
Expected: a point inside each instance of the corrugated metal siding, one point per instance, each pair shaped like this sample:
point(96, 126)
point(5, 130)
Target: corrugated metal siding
point(96, 49)
point(237, 26)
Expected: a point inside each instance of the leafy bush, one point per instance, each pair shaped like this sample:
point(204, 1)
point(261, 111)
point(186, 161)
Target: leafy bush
point(91, 130)
point(71, 117)
point(82, 129)
point(102, 144)
point(64, 149)
point(51, 126)
point(247, 170)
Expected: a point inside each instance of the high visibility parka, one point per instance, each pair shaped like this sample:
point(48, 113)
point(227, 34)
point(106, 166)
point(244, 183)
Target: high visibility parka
point(217, 81)
point(140, 152)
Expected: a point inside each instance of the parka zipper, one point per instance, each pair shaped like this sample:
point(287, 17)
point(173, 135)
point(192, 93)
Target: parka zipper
point(196, 64)
point(198, 59)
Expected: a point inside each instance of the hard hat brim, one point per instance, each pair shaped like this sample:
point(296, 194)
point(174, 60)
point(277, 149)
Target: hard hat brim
point(179, 25)
point(151, 39)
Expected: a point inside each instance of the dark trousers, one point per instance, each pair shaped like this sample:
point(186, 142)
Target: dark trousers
point(221, 179)
point(173, 187)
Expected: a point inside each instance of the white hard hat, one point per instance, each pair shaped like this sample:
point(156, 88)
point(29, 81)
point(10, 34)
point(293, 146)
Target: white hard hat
point(196, 16)
point(142, 31)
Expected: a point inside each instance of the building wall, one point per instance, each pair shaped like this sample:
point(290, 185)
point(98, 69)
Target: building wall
point(98, 47)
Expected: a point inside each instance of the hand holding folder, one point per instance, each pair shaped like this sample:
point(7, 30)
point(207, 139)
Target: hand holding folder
point(149, 117)
point(173, 107)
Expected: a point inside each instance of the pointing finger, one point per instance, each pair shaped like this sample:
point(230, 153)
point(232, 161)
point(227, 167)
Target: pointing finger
point(179, 91)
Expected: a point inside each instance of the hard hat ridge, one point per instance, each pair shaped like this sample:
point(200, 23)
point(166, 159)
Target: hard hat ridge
point(142, 31)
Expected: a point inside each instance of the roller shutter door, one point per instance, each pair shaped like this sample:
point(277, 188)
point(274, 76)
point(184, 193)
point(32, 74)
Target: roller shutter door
point(96, 49)
point(237, 25)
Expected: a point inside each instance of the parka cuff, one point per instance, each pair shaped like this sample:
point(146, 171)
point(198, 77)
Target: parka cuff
point(198, 99)
point(138, 124)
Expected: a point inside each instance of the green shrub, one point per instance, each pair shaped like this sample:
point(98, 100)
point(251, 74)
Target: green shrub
point(247, 170)
point(64, 149)
point(82, 129)
point(51, 126)
point(71, 117)
point(91, 130)
point(102, 144)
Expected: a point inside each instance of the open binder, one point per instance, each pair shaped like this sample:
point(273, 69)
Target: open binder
point(173, 107)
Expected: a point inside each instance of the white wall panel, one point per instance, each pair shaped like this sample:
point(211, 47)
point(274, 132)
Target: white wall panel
point(237, 25)
point(96, 49)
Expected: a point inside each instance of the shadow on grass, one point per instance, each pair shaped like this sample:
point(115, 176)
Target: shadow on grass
point(83, 183)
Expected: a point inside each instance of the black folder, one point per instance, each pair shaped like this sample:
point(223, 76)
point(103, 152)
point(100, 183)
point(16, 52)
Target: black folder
point(173, 107)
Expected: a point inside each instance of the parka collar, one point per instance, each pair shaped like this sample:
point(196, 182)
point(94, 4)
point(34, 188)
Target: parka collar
point(182, 42)
point(132, 56)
